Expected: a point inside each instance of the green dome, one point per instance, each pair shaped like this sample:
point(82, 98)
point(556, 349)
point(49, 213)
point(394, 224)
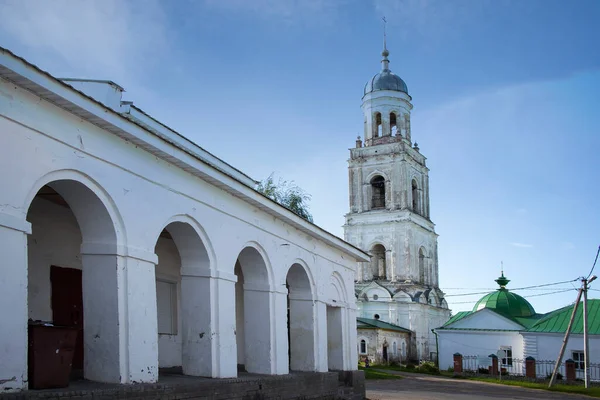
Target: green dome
point(505, 302)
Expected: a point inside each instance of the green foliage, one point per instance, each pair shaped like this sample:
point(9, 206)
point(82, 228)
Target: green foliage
point(428, 367)
point(371, 373)
point(288, 194)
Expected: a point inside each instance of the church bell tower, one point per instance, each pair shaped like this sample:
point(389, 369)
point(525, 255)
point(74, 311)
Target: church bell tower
point(389, 216)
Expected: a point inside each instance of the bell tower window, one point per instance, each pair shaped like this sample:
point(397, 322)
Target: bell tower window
point(415, 196)
point(378, 127)
point(378, 266)
point(378, 192)
point(393, 124)
point(421, 265)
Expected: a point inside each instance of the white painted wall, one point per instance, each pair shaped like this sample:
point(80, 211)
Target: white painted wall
point(131, 196)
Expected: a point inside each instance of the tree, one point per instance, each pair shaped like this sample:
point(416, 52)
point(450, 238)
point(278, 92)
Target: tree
point(288, 194)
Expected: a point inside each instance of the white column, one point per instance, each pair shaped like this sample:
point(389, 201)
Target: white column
point(259, 354)
point(196, 322)
point(119, 308)
point(302, 333)
point(335, 339)
point(280, 334)
point(321, 336)
point(389, 266)
point(223, 317)
point(142, 335)
point(350, 344)
point(13, 295)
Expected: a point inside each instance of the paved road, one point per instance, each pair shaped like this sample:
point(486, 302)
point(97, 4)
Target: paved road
point(425, 387)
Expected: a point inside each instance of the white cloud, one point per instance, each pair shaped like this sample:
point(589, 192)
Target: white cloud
point(522, 245)
point(101, 39)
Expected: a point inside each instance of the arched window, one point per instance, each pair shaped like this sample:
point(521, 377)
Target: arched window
point(378, 262)
point(421, 265)
point(415, 196)
point(378, 192)
point(378, 132)
point(393, 124)
point(394, 349)
point(363, 346)
point(403, 350)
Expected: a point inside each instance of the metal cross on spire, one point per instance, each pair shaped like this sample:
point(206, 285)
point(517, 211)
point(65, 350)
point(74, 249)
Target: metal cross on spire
point(384, 33)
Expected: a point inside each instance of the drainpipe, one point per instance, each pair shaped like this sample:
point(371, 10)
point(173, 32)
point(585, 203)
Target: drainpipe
point(437, 349)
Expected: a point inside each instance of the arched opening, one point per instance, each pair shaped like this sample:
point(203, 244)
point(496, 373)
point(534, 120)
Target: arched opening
point(378, 266)
point(393, 124)
point(403, 350)
point(74, 275)
point(335, 325)
point(363, 346)
point(421, 265)
point(378, 192)
point(183, 300)
point(415, 197)
point(253, 313)
point(301, 338)
point(378, 126)
point(395, 350)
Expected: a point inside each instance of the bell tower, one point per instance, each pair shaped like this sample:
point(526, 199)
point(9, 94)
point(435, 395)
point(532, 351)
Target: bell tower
point(389, 215)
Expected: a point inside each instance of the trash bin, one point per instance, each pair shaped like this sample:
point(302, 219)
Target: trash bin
point(51, 351)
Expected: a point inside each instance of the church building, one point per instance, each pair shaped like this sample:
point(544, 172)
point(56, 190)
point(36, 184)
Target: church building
point(389, 218)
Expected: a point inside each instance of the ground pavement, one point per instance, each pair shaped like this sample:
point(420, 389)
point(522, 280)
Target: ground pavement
point(427, 387)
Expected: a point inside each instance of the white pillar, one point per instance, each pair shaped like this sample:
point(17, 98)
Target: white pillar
point(280, 346)
point(223, 317)
point(142, 333)
point(197, 330)
point(335, 339)
point(13, 295)
point(321, 336)
point(119, 308)
point(259, 357)
point(302, 333)
point(351, 343)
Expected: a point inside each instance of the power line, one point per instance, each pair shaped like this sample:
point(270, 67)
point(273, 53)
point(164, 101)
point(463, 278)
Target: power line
point(533, 295)
point(596, 259)
point(522, 288)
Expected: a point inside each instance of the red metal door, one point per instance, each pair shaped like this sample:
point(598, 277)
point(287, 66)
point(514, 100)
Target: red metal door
point(67, 304)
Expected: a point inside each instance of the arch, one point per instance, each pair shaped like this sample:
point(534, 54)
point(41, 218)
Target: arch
point(377, 125)
point(377, 192)
point(335, 323)
point(422, 257)
point(337, 283)
point(84, 267)
point(300, 319)
point(395, 349)
point(194, 231)
point(403, 349)
point(363, 344)
point(183, 295)
point(254, 330)
point(394, 131)
point(103, 202)
point(416, 199)
point(378, 261)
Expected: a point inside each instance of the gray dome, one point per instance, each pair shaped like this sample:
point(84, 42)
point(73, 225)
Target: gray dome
point(386, 80)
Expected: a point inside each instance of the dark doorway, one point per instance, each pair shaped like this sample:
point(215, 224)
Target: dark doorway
point(385, 354)
point(67, 305)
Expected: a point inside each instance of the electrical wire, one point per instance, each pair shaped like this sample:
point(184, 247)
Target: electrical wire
point(596, 259)
point(533, 295)
point(512, 290)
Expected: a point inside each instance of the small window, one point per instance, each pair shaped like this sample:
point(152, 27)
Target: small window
point(393, 124)
point(415, 196)
point(579, 358)
point(363, 346)
point(394, 348)
point(166, 307)
point(403, 349)
point(379, 132)
point(378, 192)
point(507, 359)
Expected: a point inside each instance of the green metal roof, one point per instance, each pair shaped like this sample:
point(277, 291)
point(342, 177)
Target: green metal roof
point(460, 315)
point(558, 321)
point(367, 323)
point(504, 302)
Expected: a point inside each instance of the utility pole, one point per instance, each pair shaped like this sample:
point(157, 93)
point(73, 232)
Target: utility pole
point(565, 340)
point(586, 340)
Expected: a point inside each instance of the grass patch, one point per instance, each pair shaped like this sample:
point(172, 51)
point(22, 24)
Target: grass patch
point(578, 389)
point(401, 368)
point(373, 374)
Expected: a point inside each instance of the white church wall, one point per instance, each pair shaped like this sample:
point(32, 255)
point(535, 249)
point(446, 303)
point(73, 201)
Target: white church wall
point(142, 193)
point(476, 343)
point(486, 319)
point(548, 346)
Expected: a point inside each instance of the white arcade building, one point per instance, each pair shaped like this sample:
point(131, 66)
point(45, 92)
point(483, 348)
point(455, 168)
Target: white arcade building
point(389, 218)
point(162, 254)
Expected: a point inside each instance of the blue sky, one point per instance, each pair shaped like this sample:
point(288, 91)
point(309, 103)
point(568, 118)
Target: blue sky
point(505, 97)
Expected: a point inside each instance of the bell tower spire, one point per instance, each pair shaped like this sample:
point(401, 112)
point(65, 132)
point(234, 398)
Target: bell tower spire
point(385, 63)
